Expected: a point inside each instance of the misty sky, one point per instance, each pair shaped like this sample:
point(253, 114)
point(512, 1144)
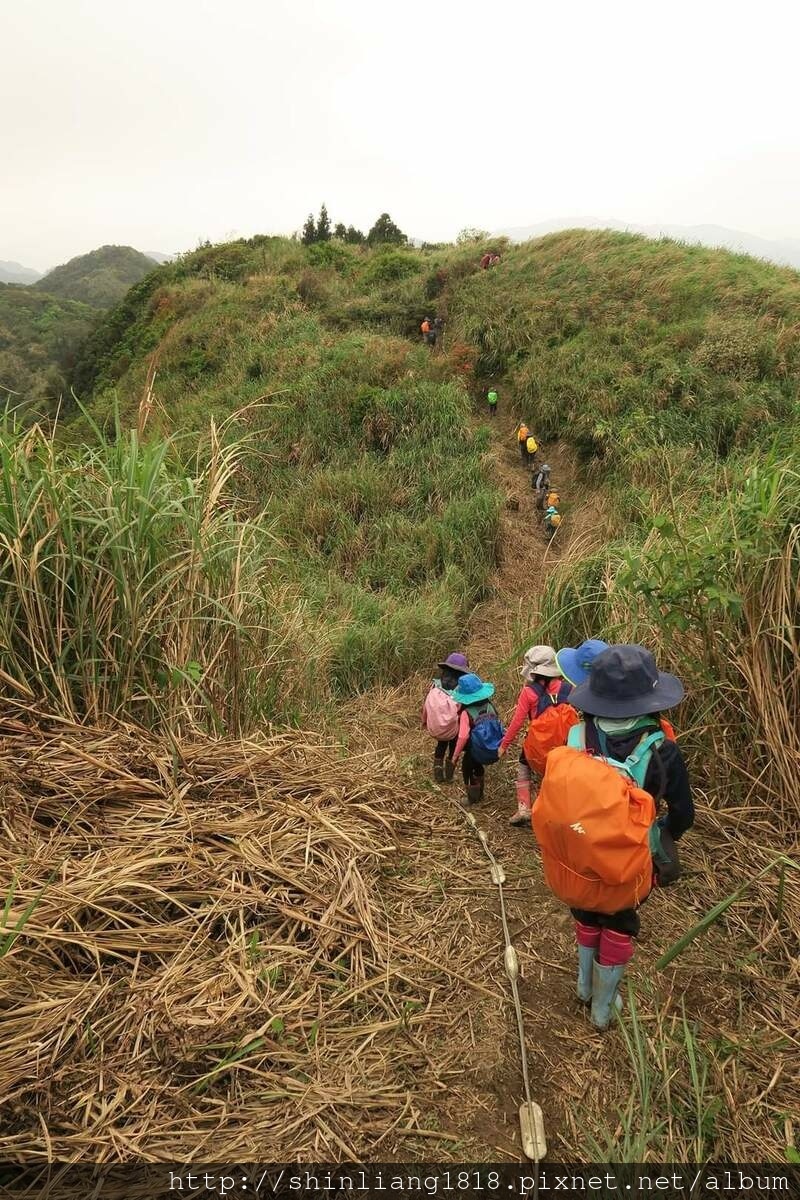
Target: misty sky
point(157, 123)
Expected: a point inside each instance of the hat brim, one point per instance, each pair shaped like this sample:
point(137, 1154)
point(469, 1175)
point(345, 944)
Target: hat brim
point(667, 693)
point(549, 672)
point(474, 697)
point(446, 666)
point(570, 667)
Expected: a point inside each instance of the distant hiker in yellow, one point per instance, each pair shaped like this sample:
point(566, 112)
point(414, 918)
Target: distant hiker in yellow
point(531, 445)
point(491, 397)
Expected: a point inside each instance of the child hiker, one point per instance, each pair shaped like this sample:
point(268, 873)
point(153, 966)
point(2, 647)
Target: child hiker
point(552, 520)
point(440, 715)
point(479, 733)
point(541, 483)
point(595, 818)
point(544, 690)
point(491, 398)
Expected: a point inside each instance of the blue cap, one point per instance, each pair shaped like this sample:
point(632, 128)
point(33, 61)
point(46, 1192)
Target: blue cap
point(574, 664)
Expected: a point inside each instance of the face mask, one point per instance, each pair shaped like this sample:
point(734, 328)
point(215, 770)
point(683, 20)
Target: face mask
point(616, 725)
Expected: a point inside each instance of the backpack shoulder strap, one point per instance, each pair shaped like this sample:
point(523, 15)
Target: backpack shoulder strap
point(638, 761)
point(576, 738)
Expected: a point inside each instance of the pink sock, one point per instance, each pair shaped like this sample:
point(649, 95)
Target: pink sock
point(616, 949)
point(587, 935)
point(523, 794)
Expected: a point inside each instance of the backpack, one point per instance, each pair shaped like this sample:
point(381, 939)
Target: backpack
point(549, 728)
point(553, 499)
point(522, 433)
point(592, 820)
point(531, 445)
point(440, 714)
point(486, 734)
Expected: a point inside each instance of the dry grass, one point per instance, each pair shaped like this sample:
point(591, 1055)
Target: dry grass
point(223, 949)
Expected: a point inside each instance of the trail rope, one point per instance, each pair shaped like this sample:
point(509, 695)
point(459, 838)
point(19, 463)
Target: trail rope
point(534, 1144)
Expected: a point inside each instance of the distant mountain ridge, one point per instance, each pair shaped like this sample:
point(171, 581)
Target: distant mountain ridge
point(100, 278)
point(784, 251)
point(14, 272)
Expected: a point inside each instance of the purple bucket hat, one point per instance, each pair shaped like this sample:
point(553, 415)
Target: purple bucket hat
point(456, 662)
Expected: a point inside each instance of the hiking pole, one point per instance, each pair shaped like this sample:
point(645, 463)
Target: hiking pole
point(531, 1117)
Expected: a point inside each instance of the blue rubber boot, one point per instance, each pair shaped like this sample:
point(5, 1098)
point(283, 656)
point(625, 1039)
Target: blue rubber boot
point(586, 957)
point(605, 997)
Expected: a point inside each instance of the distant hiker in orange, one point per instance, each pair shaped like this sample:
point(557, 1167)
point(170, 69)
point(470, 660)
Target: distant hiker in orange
point(522, 437)
point(425, 329)
point(603, 845)
point(489, 260)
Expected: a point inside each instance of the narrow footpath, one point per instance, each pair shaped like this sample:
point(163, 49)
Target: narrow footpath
point(481, 1103)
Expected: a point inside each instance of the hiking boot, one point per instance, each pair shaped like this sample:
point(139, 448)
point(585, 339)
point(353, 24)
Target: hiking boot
point(449, 770)
point(438, 771)
point(475, 792)
point(605, 993)
point(586, 957)
point(521, 817)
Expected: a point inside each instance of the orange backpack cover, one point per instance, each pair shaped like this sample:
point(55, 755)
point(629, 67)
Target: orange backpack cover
point(592, 824)
point(546, 732)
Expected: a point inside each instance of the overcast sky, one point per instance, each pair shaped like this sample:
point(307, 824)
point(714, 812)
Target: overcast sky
point(157, 123)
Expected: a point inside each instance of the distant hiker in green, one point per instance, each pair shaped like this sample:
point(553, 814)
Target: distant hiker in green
point(491, 397)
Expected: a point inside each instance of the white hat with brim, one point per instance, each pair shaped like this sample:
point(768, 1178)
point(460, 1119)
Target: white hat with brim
point(539, 660)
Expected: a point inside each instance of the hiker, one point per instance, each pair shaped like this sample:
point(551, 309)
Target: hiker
point(479, 733)
point(575, 663)
point(552, 520)
point(522, 437)
point(491, 397)
point(440, 715)
point(531, 446)
point(543, 692)
point(425, 329)
point(541, 484)
point(485, 261)
point(603, 845)
point(430, 337)
point(438, 326)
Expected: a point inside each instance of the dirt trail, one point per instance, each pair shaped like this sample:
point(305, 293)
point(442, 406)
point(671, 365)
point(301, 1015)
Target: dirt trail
point(565, 1055)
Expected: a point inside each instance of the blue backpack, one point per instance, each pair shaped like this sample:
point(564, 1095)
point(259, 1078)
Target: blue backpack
point(486, 735)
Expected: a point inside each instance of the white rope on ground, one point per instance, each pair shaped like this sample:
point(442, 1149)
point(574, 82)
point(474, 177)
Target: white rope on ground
point(531, 1118)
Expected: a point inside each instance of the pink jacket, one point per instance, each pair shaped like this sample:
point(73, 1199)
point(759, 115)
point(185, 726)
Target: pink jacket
point(463, 733)
point(527, 703)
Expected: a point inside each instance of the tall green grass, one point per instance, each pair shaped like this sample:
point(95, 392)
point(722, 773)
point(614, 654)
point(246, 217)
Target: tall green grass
point(129, 590)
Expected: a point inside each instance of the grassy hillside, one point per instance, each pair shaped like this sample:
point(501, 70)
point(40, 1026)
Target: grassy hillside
point(356, 481)
point(100, 278)
point(622, 344)
point(39, 338)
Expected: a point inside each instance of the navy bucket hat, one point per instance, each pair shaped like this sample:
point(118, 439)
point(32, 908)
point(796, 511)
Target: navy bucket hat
point(624, 681)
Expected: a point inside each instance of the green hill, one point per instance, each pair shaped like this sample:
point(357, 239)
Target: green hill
point(384, 532)
point(100, 278)
point(39, 338)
